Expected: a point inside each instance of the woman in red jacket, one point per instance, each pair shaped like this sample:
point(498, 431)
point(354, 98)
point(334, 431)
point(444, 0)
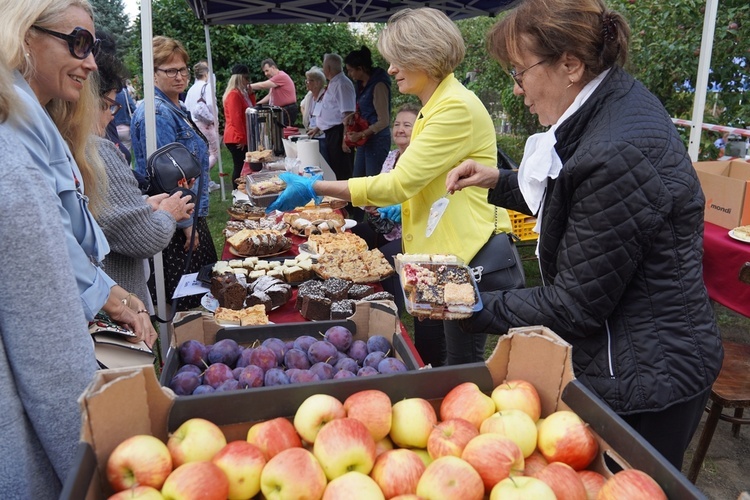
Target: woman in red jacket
point(236, 100)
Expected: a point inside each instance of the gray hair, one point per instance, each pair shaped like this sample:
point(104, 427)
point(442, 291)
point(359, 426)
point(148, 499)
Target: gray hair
point(333, 62)
point(315, 73)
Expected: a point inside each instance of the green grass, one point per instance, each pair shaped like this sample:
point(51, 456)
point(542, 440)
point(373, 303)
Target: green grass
point(217, 212)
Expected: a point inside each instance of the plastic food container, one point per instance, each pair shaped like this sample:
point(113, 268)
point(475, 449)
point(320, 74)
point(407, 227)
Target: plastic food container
point(261, 200)
point(425, 299)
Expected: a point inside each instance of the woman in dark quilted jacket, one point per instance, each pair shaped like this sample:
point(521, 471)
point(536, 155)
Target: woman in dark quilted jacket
point(620, 221)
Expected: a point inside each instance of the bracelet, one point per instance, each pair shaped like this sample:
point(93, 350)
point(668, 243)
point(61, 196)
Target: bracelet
point(126, 300)
point(142, 311)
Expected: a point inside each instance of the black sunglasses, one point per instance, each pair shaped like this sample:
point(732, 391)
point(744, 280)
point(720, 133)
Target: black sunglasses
point(81, 42)
point(112, 106)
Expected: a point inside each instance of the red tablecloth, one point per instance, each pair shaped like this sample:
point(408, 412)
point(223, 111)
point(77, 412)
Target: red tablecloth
point(722, 259)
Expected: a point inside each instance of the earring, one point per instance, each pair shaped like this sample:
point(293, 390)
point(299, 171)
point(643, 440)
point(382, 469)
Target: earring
point(570, 84)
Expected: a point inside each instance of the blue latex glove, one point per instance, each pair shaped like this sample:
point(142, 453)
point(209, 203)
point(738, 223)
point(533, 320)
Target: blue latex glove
point(299, 190)
point(392, 213)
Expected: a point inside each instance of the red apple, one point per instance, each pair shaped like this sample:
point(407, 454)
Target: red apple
point(242, 463)
point(274, 436)
point(468, 402)
point(494, 457)
point(413, 421)
point(449, 437)
point(563, 480)
point(518, 395)
point(450, 478)
point(407, 497)
point(592, 481)
point(138, 493)
point(383, 445)
point(372, 408)
point(344, 445)
point(293, 474)
point(521, 488)
point(397, 472)
point(516, 426)
point(314, 413)
point(564, 437)
point(139, 460)
point(533, 464)
point(353, 485)
point(195, 480)
point(631, 484)
point(196, 440)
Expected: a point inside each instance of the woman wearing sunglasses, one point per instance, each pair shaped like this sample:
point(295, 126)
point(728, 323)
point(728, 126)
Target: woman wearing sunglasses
point(174, 124)
point(50, 44)
point(620, 224)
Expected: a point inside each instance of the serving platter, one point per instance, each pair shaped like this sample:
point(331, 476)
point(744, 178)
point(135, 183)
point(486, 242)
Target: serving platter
point(738, 236)
point(236, 253)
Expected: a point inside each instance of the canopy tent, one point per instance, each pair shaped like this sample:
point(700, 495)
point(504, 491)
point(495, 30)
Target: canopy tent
point(222, 12)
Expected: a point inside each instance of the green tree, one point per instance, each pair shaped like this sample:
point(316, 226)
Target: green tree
point(110, 16)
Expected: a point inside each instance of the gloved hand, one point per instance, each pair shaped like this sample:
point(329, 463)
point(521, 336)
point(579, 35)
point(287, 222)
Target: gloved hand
point(299, 190)
point(391, 213)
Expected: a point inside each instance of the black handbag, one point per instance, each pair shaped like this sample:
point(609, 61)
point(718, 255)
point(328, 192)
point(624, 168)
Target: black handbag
point(497, 266)
point(169, 165)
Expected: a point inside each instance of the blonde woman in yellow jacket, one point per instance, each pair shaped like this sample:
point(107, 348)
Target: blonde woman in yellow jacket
point(423, 47)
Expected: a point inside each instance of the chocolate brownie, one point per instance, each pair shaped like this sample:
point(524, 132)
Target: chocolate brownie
point(315, 307)
point(258, 297)
point(448, 274)
point(342, 309)
point(311, 287)
point(379, 296)
point(232, 296)
point(358, 292)
point(336, 289)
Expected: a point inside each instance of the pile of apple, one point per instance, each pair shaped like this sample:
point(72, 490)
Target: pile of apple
point(367, 448)
point(226, 365)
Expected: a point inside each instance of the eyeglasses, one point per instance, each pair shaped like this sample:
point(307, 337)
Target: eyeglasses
point(517, 75)
point(81, 42)
point(113, 106)
point(172, 72)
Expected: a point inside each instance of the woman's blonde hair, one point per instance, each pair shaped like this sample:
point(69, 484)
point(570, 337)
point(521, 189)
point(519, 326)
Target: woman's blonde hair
point(424, 39)
point(74, 120)
point(235, 82)
point(586, 29)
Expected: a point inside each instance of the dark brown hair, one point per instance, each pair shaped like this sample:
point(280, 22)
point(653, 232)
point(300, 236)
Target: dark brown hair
point(586, 29)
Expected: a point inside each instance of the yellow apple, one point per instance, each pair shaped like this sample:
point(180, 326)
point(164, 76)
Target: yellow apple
point(372, 408)
point(564, 437)
point(314, 413)
point(293, 474)
point(522, 488)
point(344, 445)
point(139, 460)
point(516, 426)
point(353, 485)
point(242, 463)
point(518, 395)
point(196, 440)
point(412, 422)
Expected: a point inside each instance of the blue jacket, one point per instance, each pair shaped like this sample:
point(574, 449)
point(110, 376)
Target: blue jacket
point(84, 239)
point(123, 116)
point(365, 95)
point(172, 125)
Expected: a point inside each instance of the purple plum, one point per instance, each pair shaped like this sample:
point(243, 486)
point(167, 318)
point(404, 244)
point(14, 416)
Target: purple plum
point(358, 351)
point(322, 350)
point(193, 352)
point(340, 337)
point(289, 344)
point(303, 376)
point(228, 385)
point(366, 371)
point(344, 374)
point(347, 364)
point(190, 369)
point(251, 376)
point(264, 357)
point(224, 351)
point(203, 389)
point(184, 383)
point(278, 346)
point(275, 376)
point(378, 343)
point(391, 365)
point(244, 358)
point(373, 359)
point(304, 342)
point(216, 374)
point(324, 371)
point(296, 358)
point(236, 372)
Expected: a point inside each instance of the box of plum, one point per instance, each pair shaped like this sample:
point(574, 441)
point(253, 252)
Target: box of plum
point(530, 372)
point(205, 358)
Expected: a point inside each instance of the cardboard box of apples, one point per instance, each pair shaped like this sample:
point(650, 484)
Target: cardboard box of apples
point(456, 432)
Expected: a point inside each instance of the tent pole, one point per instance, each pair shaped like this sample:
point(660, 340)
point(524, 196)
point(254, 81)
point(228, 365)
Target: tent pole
point(216, 108)
point(149, 97)
point(701, 84)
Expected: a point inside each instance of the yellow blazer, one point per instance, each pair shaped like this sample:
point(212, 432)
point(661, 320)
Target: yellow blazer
point(453, 126)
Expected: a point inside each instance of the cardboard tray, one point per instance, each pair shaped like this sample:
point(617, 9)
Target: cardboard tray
point(121, 403)
point(370, 318)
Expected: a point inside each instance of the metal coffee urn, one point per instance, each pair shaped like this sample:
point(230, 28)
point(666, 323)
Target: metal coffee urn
point(265, 129)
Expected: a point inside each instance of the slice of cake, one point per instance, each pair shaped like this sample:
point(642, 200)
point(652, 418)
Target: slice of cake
point(259, 298)
point(342, 309)
point(459, 296)
point(315, 308)
point(226, 316)
point(358, 292)
point(255, 315)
